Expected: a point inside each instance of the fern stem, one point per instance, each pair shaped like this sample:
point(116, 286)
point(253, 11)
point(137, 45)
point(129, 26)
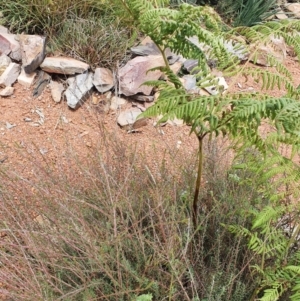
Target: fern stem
point(198, 181)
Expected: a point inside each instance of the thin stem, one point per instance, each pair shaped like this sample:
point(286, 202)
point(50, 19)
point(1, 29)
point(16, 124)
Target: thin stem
point(198, 182)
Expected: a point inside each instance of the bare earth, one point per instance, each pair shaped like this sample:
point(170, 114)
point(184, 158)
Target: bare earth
point(43, 128)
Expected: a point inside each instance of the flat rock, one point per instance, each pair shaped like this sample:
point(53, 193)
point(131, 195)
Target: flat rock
point(63, 65)
point(10, 75)
point(10, 46)
point(190, 64)
point(281, 15)
point(294, 8)
point(7, 91)
point(79, 87)
point(4, 62)
point(134, 74)
point(128, 117)
point(57, 90)
point(103, 79)
point(25, 79)
point(33, 51)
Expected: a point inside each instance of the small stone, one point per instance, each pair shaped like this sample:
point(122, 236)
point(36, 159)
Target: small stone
point(25, 79)
point(117, 102)
point(143, 98)
point(7, 91)
point(57, 90)
point(128, 117)
point(10, 75)
point(4, 62)
point(9, 125)
point(103, 79)
point(219, 88)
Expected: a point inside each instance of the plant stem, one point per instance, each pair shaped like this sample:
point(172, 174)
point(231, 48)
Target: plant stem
point(198, 182)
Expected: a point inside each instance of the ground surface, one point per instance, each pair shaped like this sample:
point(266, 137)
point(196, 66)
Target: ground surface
point(41, 127)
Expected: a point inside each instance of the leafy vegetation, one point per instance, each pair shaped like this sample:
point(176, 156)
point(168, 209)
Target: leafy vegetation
point(125, 232)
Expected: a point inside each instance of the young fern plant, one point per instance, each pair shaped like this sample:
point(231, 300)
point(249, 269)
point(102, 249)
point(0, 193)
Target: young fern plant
point(236, 115)
point(277, 253)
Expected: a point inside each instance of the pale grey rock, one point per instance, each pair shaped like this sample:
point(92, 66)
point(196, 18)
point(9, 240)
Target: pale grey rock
point(25, 79)
point(128, 117)
point(4, 62)
point(220, 87)
point(190, 64)
point(10, 46)
point(134, 74)
point(3, 29)
point(281, 15)
point(79, 87)
point(189, 82)
point(293, 8)
point(103, 79)
point(10, 75)
point(63, 65)
point(7, 91)
point(57, 90)
point(117, 102)
point(33, 51)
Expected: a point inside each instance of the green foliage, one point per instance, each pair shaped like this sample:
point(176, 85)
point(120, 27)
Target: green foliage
point(90, 30)
point(277, 252)
point(246, 12)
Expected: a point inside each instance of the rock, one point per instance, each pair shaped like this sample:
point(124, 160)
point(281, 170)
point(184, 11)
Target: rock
point(219, 88)
point(143, 98)
point(103, 79)
point(10, 75)
point(7, 91)
point(294, 8)
point(79, 88)
point(57, 90)
point(3, 29)
point(41, 82)
point(134, 74)
point(190, 64)
point(276, 48)
point(189, 82)
point(281, 15)
point(25, 79)
point(4, 62)
point(176, 67)
point(148, 47)
point(10, 46)
point(117, 102)
point(175, 122)
point(128, 117)
point(33, 51)
point(63, 65)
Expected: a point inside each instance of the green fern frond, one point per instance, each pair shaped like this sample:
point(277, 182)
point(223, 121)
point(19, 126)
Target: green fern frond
point(266, 215)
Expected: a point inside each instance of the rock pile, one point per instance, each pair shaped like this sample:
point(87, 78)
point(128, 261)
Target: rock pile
point(23, 59)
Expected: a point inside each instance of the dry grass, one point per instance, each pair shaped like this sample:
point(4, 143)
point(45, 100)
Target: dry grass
point(109, 228)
